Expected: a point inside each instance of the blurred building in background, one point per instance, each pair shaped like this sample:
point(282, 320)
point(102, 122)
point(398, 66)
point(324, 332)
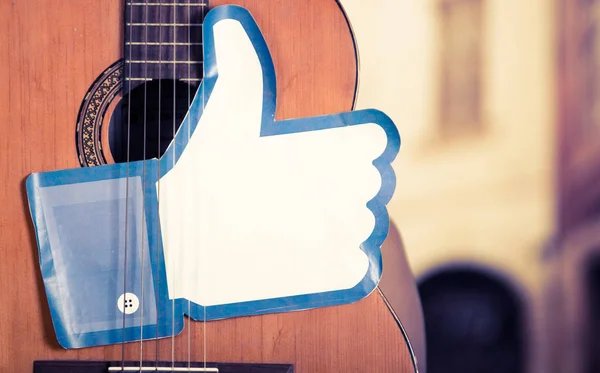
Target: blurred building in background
point(477, 199)
point(579, 186)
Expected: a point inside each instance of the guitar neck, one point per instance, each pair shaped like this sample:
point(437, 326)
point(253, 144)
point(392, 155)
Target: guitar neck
point(163, 40)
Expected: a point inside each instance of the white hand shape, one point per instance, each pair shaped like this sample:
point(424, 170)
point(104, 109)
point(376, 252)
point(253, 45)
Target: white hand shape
point(247, 217)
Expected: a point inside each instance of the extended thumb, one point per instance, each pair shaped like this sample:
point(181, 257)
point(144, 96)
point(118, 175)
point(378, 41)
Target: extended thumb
point(235, 51)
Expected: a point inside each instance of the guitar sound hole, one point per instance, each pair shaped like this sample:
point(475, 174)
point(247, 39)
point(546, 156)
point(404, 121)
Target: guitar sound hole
point(149, 115)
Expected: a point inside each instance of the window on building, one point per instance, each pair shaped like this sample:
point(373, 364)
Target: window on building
point(461, 55)
point(590, 63)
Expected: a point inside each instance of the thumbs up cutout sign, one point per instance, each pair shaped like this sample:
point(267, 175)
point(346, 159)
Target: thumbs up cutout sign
point(264, 211)
point(242, 215)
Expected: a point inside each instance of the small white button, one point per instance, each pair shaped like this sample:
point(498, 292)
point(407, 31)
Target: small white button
point(128, 303)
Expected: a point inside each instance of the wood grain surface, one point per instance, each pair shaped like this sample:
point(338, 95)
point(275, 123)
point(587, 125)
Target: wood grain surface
point(51, 52)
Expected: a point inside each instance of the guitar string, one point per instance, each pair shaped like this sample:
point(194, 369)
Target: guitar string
point(203, 10)
point(174, 156)
point(144, 180)
point(126, 199)
point(159, 120)
point(189, 75)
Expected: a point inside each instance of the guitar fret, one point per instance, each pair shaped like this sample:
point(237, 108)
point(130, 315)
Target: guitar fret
point(166, 40)
point(154, 43)
point(161, 52)
point(149, 79)
point(140, 73)
point(165, 24)
point(168, 4)
point(164, 62)
point(163, 34)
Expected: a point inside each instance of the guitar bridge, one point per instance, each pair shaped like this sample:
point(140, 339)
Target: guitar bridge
point(162, 369)
point(68, 366)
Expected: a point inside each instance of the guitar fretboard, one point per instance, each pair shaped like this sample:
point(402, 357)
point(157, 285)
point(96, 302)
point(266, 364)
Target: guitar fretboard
point(163, 40)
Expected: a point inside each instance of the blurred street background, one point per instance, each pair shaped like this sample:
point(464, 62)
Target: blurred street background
point(498, 181)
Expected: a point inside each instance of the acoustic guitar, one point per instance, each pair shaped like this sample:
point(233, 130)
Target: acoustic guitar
point(71, 101)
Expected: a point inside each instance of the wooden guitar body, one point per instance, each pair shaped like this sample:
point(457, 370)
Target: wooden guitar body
point(53, 52)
